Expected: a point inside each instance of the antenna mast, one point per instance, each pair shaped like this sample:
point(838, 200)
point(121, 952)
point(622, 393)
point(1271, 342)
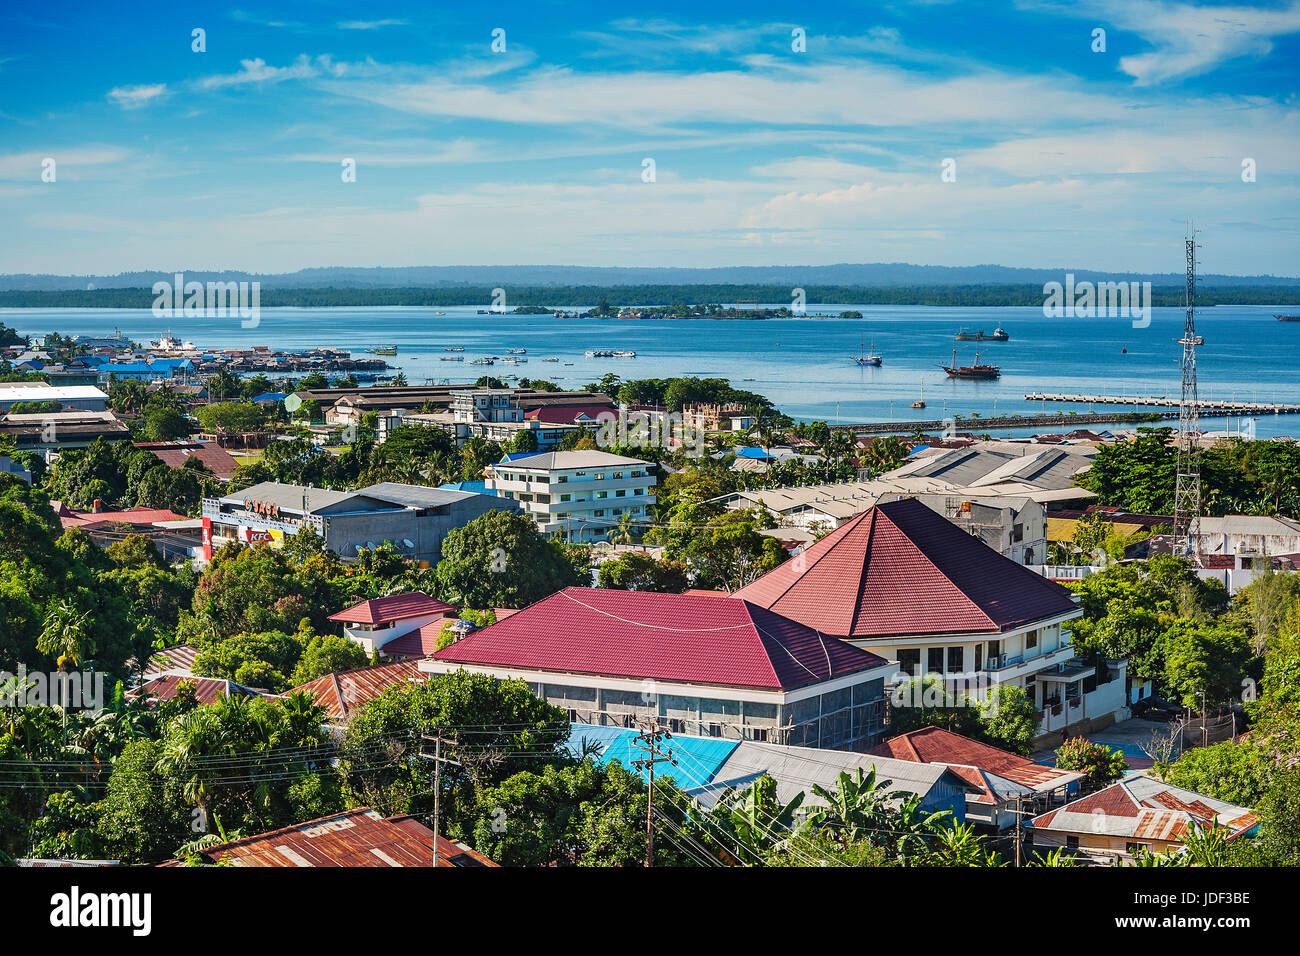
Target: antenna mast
point(1187, 490)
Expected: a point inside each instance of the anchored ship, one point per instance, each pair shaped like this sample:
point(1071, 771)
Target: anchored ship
point(997, 335)
point(976, 371)
point(869, 358)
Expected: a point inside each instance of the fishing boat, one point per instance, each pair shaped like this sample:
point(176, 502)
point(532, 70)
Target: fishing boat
point(480, 361)
point(454, 348)
point(872, 358)
point(920, 402)
point(451, 358)
point(1287, 318)
point(976, 371)
point(997, 335)
point(516, 351)
point(556, 359)
point(383, 350)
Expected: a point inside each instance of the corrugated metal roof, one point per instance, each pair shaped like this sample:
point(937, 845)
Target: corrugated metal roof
point(644, 635)
point(798, 769)
point(1145, 808)
point(902, 569)
point(207, 690)
point(358, 837)
point(937, 745)
point(344, 692)
point(698, 758)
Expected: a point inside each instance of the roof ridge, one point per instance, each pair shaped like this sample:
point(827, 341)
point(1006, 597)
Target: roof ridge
point(862, 571)
point(930, 561)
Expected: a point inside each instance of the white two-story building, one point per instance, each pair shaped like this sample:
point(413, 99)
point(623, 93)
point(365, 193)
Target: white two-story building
point(580, 494)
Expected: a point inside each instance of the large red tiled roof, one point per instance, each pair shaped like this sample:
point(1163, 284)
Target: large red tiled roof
point(394, 607)
point(900, 568)
point(936, 745)
point(358, 837)
point(342, 693)
point(644, 635)
point(176, 453)
point(70, 518)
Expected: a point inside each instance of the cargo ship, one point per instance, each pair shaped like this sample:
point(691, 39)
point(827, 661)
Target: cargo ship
point(997, 335)
point(976, 371)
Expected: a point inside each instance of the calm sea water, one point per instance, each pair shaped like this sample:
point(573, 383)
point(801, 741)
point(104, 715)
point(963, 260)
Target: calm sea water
point(802, 364)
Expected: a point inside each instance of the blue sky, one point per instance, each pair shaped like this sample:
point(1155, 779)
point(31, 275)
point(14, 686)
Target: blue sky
point(168, 158)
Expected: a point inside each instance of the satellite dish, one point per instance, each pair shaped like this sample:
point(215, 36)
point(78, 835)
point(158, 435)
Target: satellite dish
point(408, 542)
point(370, 545)
point(358, 547)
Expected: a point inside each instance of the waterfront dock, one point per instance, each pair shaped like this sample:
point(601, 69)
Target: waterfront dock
point(1207, 406)
point(979, 425)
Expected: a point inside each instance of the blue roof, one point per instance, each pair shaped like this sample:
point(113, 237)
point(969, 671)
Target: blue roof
point(512, 455)
point(918, 448)
point(476, 487)
point(268, 397)
point(698, 758)
point(753, 451)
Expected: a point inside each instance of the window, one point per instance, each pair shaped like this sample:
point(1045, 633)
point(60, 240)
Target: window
point(621, 493)
point(934, 660)
point(1072, 842)
point(599, 512)
point(956, 660)
point(715, 730)
point(909, 661)
point(565, 497)
point(1132, 849)
point(1031, 640)
point(758, 733)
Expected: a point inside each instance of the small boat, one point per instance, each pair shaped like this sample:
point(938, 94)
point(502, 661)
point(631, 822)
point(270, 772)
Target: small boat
point(1287, 318)
point(976, 371)
point(516, 351)
point(550, 359)
point(383, 350)
point(454, 348)
point(872, 358)
point(451, 358)
point(997, 335)
point(920, 402)
point(481, 361)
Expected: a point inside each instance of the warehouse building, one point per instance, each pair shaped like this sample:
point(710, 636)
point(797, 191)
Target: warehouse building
point(412, 518)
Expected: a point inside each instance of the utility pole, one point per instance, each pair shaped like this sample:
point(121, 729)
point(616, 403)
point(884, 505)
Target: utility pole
point(649, 742)
point(1018, 798)
point(438, 760)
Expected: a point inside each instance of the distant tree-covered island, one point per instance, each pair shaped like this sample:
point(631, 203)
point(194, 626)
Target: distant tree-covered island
point(668, 298)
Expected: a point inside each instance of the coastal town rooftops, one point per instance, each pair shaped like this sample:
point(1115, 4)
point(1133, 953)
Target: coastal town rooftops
point(680, 638)
point(394, 607)
point(386, 494)
point(44, 392)
point(565, 460)
point(359, 837)
point(936, 745)
point(901, 569)
point(1145, 808)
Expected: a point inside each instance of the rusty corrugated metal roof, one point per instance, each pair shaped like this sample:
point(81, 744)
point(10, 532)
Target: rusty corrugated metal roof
point(359, 837)
point(342, 693)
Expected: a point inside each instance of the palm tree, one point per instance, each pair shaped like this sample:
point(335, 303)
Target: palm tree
point(854, 807)
point(959, 845)
point(625, 532)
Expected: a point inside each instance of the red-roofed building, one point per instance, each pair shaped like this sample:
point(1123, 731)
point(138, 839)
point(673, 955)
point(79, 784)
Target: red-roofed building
point(1001, 777)
point(903, 581)
point(1139, 812)
point(177, 453)
point(374, 623)
point(702, 664)
point(143, 518)
point(359, 837)
point(344, 692)
point(207, 690)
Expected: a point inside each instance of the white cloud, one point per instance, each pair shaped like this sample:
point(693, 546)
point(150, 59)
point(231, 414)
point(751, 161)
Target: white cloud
point(134, 97)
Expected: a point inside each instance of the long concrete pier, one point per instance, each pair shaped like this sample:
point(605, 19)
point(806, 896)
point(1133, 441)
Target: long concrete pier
point(1162, 401)
point(978, 425)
